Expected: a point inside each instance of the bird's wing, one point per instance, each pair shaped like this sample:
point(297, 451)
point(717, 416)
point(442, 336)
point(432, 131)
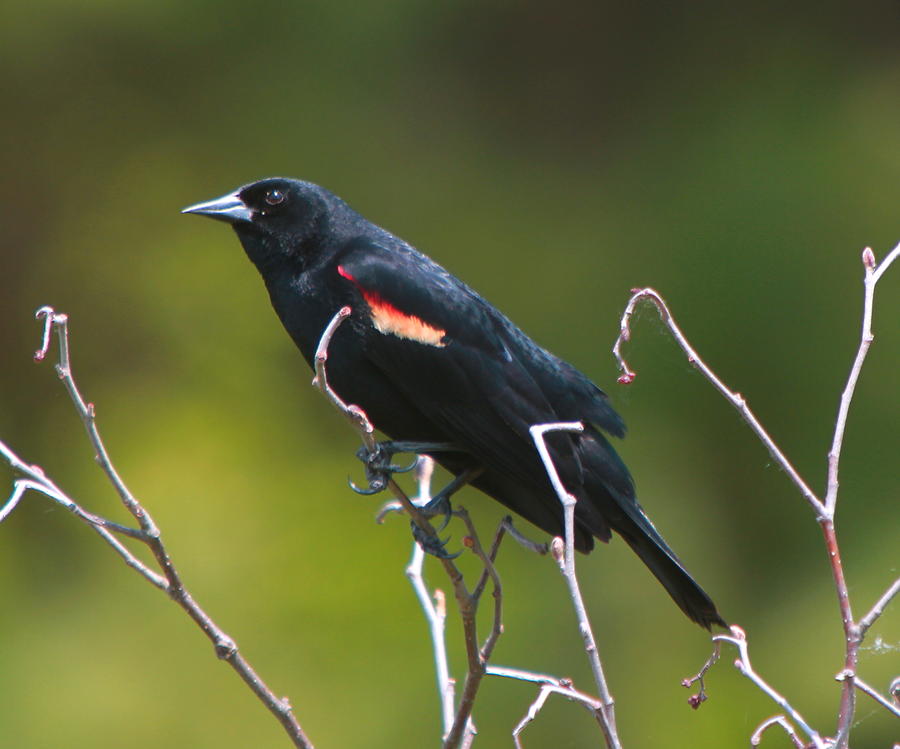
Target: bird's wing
point(449, 351)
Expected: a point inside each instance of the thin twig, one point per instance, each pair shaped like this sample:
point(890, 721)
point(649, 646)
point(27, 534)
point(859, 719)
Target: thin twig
point(566, 560)
point(48, 488)
point(487, 559)
point(520, 538)
point(548, 685)
point(824, 508)
point(779, 720)
point(695, 700)
point(359, 420)
point(433, 605)
point(736, 399)
point(59, 323)
point(873, 273)
point(170, 581)
point(878, 609)
point(873, 693)
point(853, 633)
point(739, 639)
point(562, 685)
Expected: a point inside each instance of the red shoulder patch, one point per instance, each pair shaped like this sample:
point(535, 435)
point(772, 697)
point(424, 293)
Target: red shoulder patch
point(390, 320)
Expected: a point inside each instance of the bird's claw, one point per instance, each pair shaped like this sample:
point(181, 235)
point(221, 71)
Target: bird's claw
point(405, 469)
point(439, 505)
point(375, 486)
point(432, 544)
point(378, 468)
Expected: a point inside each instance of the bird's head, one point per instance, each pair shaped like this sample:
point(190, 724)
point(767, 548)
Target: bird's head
point(277, 219)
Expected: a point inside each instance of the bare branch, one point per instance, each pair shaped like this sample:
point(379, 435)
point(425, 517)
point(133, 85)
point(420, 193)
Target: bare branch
point(739, 639)
point(434, 606)
point(606, 714)
point(853, 633)
point(170, 581)
point(779, 720)
point(873, 275)
point(878, 609)
point(360, 422)
point(561, 685)
point(872, 692)
point(523, 540)
point(487, 560)
point(355, 414)
point(42, 484)
point(59, 323)
point(548, 685)
point(823, 508)
point(695, 700)
point(736, 399)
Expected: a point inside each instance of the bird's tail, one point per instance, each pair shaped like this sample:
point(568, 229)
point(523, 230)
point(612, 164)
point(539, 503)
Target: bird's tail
point(640, 534)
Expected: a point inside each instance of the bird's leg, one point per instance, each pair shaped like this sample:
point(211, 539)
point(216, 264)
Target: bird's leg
point(409, 446)
point(440, 505)
point(379, 468)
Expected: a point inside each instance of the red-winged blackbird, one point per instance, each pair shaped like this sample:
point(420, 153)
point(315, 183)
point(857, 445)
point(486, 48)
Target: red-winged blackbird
point(431, 361)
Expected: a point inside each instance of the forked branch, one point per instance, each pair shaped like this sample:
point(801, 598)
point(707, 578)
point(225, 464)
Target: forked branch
point(824, 508)
point(148, 533)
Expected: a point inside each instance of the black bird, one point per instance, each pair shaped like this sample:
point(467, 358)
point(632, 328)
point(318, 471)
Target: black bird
point(433, 363)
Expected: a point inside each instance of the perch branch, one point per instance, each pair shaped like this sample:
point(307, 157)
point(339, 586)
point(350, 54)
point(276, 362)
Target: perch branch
point(462, 730)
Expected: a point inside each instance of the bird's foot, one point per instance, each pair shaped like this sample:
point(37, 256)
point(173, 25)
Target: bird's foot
point(379, 468)
point(432, 544)
point(440, 505)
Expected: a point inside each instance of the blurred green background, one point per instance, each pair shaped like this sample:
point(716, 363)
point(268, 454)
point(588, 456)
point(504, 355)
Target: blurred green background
point(553, 156)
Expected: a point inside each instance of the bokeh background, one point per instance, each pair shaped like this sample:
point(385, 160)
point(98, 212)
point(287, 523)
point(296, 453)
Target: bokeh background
point(554, 155)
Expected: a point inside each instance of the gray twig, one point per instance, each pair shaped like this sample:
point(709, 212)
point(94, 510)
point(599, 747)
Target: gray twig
point(776, 720)
point(739, 639)
point(736, 399)
point(548, 685)
point(878, 608)
point(169, 581)
point(566, 560)
point(433, 604)
point(824, 509)
point(873, 693)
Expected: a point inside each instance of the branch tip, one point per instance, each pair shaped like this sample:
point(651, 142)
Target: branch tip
point(868, 258)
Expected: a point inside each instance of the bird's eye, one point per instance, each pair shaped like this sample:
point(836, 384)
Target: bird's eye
point(274, 197)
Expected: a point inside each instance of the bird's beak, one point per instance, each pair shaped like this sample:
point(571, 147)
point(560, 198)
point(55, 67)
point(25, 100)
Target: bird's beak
point(229, 208)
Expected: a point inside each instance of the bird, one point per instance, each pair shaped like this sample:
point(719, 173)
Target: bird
point(441, 371)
